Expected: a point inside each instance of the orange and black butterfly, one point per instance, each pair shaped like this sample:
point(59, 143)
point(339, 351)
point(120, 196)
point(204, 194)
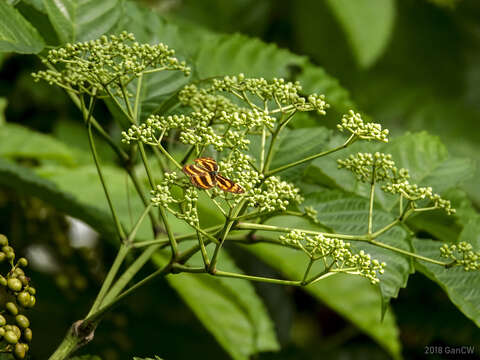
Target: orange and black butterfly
point(204, 175)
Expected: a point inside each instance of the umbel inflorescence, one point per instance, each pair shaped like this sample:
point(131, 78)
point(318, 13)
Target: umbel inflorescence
point(235, 122)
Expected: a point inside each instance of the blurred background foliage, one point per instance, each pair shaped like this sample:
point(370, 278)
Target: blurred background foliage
point(410, 65)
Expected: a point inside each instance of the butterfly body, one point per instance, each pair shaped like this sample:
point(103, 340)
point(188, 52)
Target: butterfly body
point(204, 175)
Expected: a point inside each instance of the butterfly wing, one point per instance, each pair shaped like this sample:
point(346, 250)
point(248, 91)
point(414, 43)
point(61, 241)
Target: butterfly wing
point(199, 177)
point(228, 185)
point(207, 163)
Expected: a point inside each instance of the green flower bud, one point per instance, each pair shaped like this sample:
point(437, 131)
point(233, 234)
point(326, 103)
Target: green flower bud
point(14, 284)
point(22, 321)
point(3, 281)
point(27, 334)
point(12, 308)
point(23, 298)
point(23, 262)
point(3, 321)
point(19, 351)
point(10, 337)
point(10, 255)
point(2, 256)
point(32, 301)
point(32, 290)
point(3, 240)
point(16, 330)
point(2, 332)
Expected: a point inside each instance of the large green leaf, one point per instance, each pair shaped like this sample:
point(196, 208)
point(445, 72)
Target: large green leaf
point(348, 214)
point(229, 308)
point(17, 141)
point(82, 20)
point(3, 105)
point(353, 298)
point(296, 145)
point(26, 182)
point(463, 288)
point(16, 33)
point(368, 25)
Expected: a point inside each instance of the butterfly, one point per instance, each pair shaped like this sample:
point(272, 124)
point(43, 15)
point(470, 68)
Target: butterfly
point(204, 175)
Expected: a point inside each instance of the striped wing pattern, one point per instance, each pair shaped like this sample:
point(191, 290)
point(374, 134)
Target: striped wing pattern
point(203, 174)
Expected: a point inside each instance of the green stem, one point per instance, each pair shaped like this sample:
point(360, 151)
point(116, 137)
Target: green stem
point(118, 226)
point(372, 197)
point(310, 158)
point(108, 305)
point(310, 263)
point(178, 237)
point(408, 253)
point(253, 226)
point(165, 152)
point(69, 344)
point(257, 278)
point(136, 115)
point(122, 253)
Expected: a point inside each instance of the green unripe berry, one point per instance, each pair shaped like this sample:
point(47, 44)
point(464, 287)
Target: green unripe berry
point(18, 271)
point(19, 351)
point(22, 321)
point(2, 256)
point(23, 262)
point(12, 308)
point(10, 337)
point(16, 330)
point(10, 255)
point(3, 281)
point(27, 334)
point(14, 284)
point(7, 249)
point(2, 332)
point(3, 240)
point(32, 290)
point(23, 279)
point(32, 301)
point(3, 321)
point(23, 298)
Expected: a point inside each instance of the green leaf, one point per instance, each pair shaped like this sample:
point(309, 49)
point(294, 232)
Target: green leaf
point(352, 297)
point(296, 145)
point(245, 327)
point(3, 106)
point(348, 214)
point(463, 288)
point(82, 20)
point(16, 33)
point(368, 25)
point(17, 141)
point(26, 182)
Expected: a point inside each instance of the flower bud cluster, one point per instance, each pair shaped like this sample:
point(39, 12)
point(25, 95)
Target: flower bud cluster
point(99, 63)
point(339, 252)
point(274, 194)
point(16, 295)
point(414, 192)
point(462, 254)
point(353, 123)
point(311, 214)
point(162, 195)
point(284, 93)
point(364, 165)
point(151, 130)
point(189, 206)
